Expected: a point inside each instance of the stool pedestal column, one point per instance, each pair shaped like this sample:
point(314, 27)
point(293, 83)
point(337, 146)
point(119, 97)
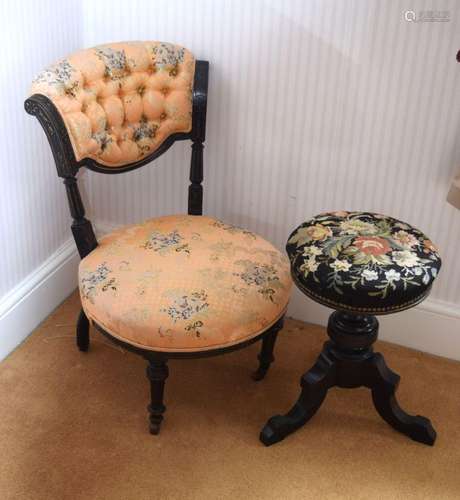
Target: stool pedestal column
point(348, 360)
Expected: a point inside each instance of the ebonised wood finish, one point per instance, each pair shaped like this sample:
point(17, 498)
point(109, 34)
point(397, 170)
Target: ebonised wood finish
point(266, 357)
point(85, 239)
point(348, 360)
point(157, 373)
point(82, 331)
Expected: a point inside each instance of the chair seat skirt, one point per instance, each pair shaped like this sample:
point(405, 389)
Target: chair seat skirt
point(184, 283)
point(362, 262)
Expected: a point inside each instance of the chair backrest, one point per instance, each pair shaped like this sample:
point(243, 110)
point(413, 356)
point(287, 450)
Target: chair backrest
point(116, 107)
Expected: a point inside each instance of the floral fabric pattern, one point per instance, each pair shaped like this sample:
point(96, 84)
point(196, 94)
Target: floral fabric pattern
point(189, 306)
point(233, 229)
point(59, 75)
point(184, 283)
point(114, 62)
point(98, 280)
point(162, 243)
point(167, 55)
point(121, 101)
point(363, 260)
point(263, 276)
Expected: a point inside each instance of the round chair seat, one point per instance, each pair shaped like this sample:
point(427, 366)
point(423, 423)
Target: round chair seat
point(184, 283)
point(362, 262)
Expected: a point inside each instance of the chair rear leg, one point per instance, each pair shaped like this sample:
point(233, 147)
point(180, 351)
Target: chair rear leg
point(157, 373)
point(266, 357)
point(82, 332)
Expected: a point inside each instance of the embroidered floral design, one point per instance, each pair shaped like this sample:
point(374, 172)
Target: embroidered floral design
point(263, 276)
point(114, 61)
point(405, 239)
point(429, 247)
point(95, 280)
point(317, 232)
point(310, 265)
point(167, 55)
point(59, 75)
point(371, 245)
point(186, 307)
point(162, 243)
point(340, 265)
point(357, 226)
point(370, 275)
point(361, 249)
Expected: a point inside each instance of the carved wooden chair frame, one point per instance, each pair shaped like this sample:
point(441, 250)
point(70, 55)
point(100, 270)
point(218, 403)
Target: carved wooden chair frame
point(85, 239)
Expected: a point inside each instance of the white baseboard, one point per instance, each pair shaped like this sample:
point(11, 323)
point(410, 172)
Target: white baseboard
point(31, 301)
point(24, 307)
point(433, 326)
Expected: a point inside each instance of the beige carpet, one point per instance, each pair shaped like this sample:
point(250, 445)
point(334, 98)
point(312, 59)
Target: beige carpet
point(74, 426)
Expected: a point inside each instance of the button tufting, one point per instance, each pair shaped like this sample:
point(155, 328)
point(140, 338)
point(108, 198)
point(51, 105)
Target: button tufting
point(121, 90)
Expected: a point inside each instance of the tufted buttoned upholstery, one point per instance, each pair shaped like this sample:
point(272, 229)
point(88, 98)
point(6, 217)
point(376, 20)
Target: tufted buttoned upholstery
point(120, 101)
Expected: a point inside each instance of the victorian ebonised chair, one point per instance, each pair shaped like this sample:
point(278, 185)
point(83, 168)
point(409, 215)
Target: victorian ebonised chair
point(171, 287)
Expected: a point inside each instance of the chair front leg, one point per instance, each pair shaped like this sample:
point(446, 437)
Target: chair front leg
point(266, 357)
point(82, 332)
point(157, 373)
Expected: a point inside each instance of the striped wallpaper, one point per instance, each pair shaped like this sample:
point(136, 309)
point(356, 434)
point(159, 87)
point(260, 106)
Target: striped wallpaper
point(34, 219)
point(314, 105)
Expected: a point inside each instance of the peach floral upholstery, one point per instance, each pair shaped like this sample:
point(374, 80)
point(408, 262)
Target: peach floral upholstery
point(120, 101)
point(184, 283)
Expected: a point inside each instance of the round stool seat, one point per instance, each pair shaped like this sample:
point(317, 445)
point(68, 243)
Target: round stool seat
point(362, 262)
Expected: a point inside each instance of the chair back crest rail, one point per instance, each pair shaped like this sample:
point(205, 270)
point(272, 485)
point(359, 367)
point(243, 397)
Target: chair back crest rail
point(67, 164)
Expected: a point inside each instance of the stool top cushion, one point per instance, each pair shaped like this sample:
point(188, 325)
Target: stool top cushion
point(362, 262)
point(184, 283)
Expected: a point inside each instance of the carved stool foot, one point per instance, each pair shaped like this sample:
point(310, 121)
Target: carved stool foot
point(347, 360)
point(315, 384)
point(386, 382)
point(157, 373)
point(82, 332)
